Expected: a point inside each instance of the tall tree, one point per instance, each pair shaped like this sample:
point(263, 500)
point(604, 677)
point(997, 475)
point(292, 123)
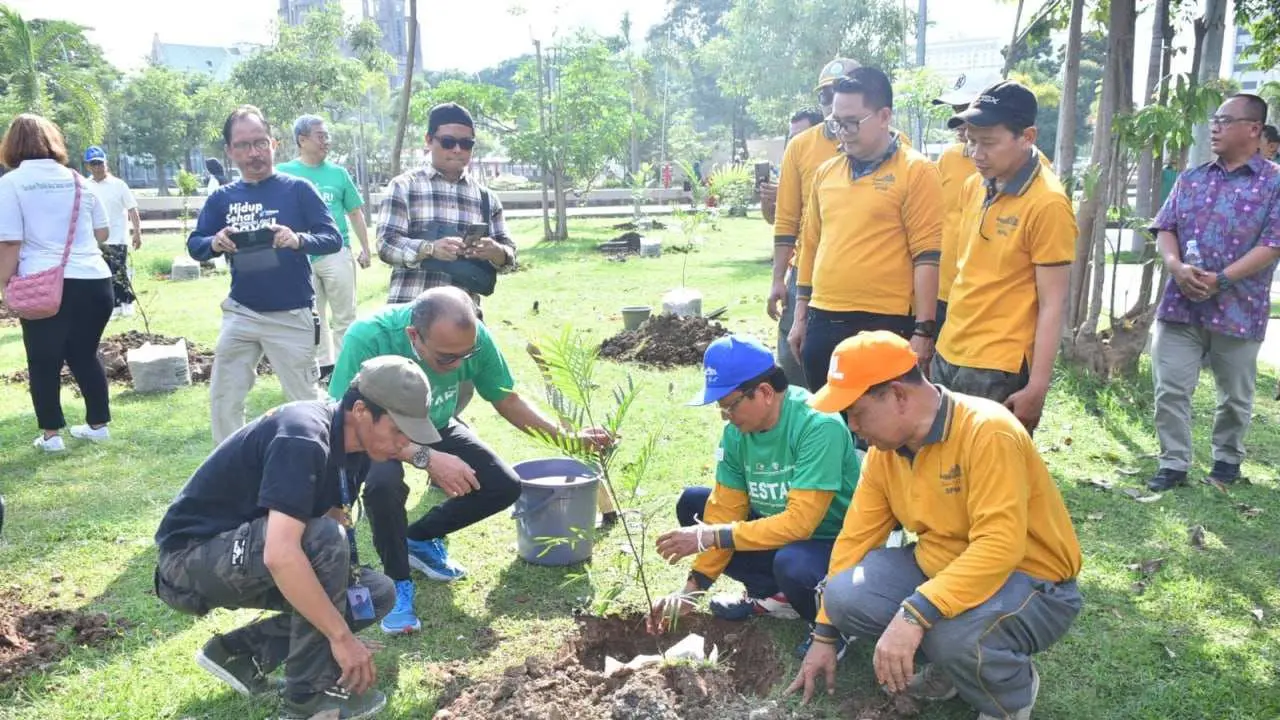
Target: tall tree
point(1214, 23)
point(403, 120)
point(1013, 42)
point(1148, 162)
point(1262, 19)
point(585, 125)
point(1064, 159)
point(158, 121)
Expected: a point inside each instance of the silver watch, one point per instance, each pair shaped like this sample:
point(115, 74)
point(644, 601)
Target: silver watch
point(422, 458)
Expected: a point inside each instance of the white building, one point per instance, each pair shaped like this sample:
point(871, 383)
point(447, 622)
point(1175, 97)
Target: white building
point(1243, 69)
point(970, 56)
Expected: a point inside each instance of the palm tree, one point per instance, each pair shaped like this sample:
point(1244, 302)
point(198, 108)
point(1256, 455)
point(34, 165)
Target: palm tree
point(408, 87)
point(36, 68)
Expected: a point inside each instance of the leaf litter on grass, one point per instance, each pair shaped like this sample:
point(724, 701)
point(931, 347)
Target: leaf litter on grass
point(32, 639)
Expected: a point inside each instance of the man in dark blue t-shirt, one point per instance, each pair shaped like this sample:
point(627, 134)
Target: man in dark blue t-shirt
point(266, 224)
point(260, 525)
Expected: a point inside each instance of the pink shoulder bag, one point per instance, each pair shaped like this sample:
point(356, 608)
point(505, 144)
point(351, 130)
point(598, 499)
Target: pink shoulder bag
point(39, 295)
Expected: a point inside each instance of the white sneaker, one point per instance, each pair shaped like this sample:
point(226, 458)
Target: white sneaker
point(115, 313)
point(49, 444)
point(126, 310)
point(85, 432)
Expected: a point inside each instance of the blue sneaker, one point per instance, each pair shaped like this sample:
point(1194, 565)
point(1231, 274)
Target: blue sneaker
point(842, 645)
point(432, 559)
point(401, 618)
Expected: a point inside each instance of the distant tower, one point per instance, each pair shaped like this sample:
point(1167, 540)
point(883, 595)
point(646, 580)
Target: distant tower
point(390, 18)
point(293, 12)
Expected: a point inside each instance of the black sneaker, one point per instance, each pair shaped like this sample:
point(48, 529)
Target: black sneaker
point(349, 707)
point(325, 372)
point(1167, 479)
point(1224, 472)
point(241, 672)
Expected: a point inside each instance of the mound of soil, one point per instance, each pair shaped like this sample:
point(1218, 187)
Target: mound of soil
point(572, 686)
point(31, 639)
point(664, 340)
point(114, 350)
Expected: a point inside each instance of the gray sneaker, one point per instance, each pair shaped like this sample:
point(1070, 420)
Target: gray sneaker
point(1024, 713)
point(931, 684)
point(241, 672)
point(348, 706)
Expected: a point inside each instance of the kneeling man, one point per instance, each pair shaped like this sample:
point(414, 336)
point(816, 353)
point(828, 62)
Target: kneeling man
point(991, 579)
point(785, 474)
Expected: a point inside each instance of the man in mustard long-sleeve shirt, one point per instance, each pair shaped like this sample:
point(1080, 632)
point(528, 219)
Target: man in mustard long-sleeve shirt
point(992, 577)
point(784, 476)
point(872, 230)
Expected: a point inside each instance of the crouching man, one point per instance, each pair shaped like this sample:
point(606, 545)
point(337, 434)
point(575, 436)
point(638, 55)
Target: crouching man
point(991, 579)
point(785, 474)
point(261, 525)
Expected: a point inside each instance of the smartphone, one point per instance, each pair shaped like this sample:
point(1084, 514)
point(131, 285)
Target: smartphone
point(764, 173)
point(475, 232)
point(253, 239)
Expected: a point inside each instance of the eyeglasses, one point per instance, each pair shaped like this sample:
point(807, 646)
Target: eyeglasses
point(838, 126)
point(245, 145)
point(451, 358)
point(1220, 120)
point(726, 411)
point(320, 137)
point(449, 143)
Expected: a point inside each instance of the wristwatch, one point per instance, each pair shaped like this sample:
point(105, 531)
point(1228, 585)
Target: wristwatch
point(1224, 282)
point(422, 458)
point(926, 328)
point(909, 616)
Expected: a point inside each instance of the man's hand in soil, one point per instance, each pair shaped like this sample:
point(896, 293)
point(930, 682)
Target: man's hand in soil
point(666, 609)
point(453, 475)
point(895, 653)
point(683, 542)
point(355, 661)
point(819, 662)
point(777, 298)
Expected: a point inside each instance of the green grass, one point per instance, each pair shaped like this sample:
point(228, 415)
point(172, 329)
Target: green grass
point(1188, 647)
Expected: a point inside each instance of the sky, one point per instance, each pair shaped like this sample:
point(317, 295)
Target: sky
point(466, 36)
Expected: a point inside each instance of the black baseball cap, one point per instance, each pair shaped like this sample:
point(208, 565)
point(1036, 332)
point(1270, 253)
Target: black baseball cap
point(1009, 103)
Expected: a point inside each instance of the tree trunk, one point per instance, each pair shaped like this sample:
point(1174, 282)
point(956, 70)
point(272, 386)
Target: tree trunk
point(1065, 158)
point(1215, 23)
point(1146, 174)
point(562, 206)
point(1162, 35)
point(403, 122)
point(1013, 42)
point(162, 178)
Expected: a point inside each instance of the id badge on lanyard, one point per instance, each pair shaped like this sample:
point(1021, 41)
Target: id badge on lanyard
point(359, 600)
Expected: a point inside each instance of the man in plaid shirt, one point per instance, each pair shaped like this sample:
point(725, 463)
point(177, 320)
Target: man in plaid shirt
point(427, 212)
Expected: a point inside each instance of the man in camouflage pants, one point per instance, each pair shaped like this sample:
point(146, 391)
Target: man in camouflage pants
point(260, 525)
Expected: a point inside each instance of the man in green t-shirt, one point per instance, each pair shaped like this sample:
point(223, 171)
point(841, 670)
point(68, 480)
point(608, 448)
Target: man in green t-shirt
point(785, 474)
point(441, 332)
point(334, 276)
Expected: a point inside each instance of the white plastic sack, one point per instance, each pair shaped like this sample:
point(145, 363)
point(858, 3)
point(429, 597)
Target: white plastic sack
point(692, 647)
point(184, 268)
point(683, 302)
point(159, 368)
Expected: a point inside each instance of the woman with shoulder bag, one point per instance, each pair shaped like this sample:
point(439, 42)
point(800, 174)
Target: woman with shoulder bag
point(53, 276)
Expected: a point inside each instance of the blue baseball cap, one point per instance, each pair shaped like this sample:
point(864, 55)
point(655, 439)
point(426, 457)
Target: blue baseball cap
point(729, 362)
point(95, 154)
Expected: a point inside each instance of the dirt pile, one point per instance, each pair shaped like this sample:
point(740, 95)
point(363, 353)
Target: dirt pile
point(32, 639)
point(664, 340)
point(572, 686)
point(114, 351)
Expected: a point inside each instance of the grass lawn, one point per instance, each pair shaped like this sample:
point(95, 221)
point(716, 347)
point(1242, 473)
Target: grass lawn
point(1188, 644)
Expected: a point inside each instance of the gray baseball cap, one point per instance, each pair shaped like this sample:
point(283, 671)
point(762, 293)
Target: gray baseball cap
point(399, 386)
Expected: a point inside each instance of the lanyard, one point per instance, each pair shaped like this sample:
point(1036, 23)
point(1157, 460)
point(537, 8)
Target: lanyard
point(349, 527)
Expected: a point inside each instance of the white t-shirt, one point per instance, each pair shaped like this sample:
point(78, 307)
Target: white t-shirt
point(35, 208)
point(117, 201)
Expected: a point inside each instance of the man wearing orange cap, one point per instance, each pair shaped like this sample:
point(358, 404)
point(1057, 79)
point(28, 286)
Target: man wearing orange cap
point(990, 580)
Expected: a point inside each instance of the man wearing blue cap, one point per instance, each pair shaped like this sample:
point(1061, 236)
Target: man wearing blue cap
point(785, 474)
point(118, 202)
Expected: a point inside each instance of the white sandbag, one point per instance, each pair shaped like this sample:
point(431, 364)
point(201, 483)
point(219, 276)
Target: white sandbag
point(159, 368)
point(683, 302)
point(184, 268)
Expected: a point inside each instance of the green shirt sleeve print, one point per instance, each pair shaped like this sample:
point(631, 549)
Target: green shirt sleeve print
point(729, 471)
point(492, 376)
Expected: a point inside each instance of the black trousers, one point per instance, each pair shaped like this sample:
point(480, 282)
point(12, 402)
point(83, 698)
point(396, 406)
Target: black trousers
point(117, 257)
point(70, 337)
point(385, 493)
point(826, 329)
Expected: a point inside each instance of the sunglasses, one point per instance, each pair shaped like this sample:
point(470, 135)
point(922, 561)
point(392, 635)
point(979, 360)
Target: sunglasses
point(449, 143)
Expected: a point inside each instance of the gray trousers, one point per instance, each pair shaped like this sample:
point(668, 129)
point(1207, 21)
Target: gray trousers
point(228, 571)
point(995, 385)
point(787, 359)
point(985, 651)
point(1176, 358)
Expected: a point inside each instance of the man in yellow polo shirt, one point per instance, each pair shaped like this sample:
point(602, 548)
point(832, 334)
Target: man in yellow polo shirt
point(1016, 245)
point(871, 233)
point(804, 154)
point(991, 579)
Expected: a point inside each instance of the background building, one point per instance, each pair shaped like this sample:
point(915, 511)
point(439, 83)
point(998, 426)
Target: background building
point(389, 15)
point(1243, 70)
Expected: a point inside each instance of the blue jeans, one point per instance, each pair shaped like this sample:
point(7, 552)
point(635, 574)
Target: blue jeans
point(794, 570)
point(787, 360)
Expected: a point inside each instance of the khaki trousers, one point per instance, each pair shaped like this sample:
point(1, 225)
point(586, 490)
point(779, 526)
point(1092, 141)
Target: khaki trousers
point(335, 279)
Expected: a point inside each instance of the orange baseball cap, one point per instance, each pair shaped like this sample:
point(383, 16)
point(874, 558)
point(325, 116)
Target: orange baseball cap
point(861, 362)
